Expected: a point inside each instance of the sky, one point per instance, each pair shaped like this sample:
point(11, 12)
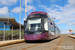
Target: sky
point(62, 10)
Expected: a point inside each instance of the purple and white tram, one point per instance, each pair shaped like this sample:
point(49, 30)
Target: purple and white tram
point(40, 26)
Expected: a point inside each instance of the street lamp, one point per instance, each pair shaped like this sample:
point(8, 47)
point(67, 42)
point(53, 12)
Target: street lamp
point(8, 18)
point(8, 21)
point(8, 15)
point(7, 26)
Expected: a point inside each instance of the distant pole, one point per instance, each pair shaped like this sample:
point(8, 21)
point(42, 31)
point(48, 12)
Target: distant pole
point(25, 9)
point(70, 25)
point(67, 31)
point(20, 21)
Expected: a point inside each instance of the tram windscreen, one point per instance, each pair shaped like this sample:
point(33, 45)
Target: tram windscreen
point(33, 24)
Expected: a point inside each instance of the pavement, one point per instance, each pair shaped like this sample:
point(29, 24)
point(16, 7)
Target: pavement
point(8, 42)
point(73, 36)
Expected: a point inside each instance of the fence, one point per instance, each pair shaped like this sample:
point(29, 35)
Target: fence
point(8, 35)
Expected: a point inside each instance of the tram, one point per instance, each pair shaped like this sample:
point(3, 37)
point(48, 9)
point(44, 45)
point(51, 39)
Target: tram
point(40, 26)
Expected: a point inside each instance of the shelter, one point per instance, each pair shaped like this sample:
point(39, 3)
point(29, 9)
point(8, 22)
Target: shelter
point(10, 20)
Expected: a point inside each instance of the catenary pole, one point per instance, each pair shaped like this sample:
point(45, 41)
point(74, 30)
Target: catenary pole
point(20, 21)
point(25, 9)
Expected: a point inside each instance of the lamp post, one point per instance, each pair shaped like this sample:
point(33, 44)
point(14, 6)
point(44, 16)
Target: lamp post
point(54, 26)
point(8, 21)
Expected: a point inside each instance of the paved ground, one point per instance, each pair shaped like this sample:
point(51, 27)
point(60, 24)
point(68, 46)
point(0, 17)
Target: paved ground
point(61, 43)
point(67, 44)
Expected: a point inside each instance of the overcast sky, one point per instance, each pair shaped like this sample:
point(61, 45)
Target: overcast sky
point(62, 10)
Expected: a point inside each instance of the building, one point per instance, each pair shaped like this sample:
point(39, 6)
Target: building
point(8, 22)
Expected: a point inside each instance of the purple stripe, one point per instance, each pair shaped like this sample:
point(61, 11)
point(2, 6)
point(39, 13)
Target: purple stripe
point(36, 36)
point(38, 12)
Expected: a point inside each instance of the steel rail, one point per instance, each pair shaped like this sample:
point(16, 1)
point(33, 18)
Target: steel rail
point(58, 43)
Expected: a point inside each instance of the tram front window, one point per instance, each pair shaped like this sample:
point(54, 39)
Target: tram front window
point(35, 27)
point(33, 24)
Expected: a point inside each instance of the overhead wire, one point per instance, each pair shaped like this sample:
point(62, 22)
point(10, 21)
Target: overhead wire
point(42, 2)
point(44, 5)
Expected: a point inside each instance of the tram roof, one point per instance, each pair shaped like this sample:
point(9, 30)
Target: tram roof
point(40, 12)
point(37, 12)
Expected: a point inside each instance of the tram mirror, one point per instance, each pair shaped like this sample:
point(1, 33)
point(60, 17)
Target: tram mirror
point(51, 24)
point(25, 21)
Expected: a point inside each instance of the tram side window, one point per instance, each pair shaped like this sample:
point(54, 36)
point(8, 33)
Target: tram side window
point(46, 24)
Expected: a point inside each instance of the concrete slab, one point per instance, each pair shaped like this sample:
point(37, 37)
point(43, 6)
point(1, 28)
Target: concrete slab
point(4, 43)
point(72, 36)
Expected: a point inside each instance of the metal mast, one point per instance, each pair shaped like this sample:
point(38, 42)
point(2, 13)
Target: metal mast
point(25, 9)
point(20, 21)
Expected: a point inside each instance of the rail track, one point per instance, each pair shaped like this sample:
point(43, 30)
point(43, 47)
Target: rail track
point(31, 46)
point(58, 43)
point(71, 39)
point(62, 44)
